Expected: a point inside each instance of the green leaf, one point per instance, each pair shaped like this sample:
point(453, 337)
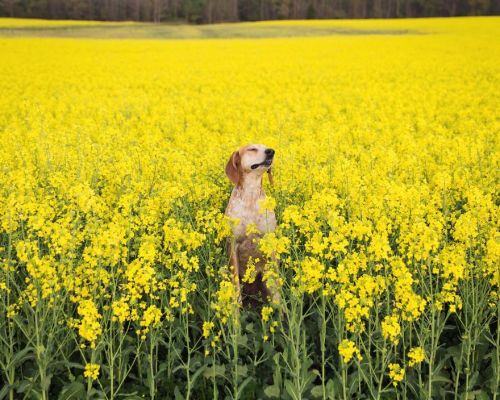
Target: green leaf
point(45, 382)
point(214, 370)
point(272, 392)
point(473, 379)
point(4, 391)
point(179, 368)
point(242, 340)
point(310, 376)
point(455, 353)
point(441, 378)
point(317, 391)
point(277, 377)
point(197, 374)
point(243, 384)
point(291, 390)
point(73, 391)
point(177, 394)
point(482, 395)
point(242, 370)
point(24, 385)
point(330, 389)
point(22, 356)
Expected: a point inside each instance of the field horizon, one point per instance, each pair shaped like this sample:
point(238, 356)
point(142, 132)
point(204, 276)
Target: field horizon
point(15, 27)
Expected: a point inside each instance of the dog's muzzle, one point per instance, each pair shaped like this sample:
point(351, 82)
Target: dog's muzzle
point(266, 163)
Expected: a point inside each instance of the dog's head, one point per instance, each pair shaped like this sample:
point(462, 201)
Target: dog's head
point(254, 159)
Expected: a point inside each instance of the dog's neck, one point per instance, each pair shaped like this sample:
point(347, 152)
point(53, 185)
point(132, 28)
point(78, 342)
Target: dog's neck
point(244, 205)
point(250, 189)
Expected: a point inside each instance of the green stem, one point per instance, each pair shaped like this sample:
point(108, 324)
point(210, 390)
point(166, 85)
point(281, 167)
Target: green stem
point(188, 362)
point(431, 357)
point(234, 339)
point(12, 371)
point(40, 361)
point(323, 347)
point(152, 387)
point(344, 380)
point(497, 355)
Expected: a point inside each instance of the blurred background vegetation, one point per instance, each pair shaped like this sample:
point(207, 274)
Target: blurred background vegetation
point(211, 11)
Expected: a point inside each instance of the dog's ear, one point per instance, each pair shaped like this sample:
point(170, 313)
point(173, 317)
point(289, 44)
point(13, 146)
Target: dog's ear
point(233, 167)
point(270, 176)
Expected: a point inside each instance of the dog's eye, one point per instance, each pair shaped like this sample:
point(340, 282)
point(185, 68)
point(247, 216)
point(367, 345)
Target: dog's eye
point(253, 149)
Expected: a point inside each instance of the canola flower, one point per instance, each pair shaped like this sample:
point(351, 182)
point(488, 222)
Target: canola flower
point(266, 312)
point(92, 371)
point(416, 355)
point(347, 349)
point(396, 373)
point(207, 327)
point(386, 190)
point(391, 329)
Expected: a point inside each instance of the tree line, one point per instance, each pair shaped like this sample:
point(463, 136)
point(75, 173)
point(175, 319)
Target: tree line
point(210, 11)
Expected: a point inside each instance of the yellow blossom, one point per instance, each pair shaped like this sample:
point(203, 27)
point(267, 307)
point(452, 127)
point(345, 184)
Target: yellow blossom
point(416, 355)
point(396, 373)
point(266, 312)
point(347, 349)
point(207, 327)
point(91, 371)
point(391, 329)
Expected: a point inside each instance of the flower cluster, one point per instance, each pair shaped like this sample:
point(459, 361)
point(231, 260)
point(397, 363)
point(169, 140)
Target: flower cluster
point(347, 349)
point(92, 371)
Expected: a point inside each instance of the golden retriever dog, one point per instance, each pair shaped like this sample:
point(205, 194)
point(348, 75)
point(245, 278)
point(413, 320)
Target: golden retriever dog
point(245, 169)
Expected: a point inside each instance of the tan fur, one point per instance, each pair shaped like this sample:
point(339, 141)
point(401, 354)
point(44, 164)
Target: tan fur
point(244, 204)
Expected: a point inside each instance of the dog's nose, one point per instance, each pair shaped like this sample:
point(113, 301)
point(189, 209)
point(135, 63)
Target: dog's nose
point(269, 152)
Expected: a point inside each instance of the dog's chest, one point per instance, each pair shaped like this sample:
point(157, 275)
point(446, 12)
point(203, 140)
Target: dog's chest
point(250, 217)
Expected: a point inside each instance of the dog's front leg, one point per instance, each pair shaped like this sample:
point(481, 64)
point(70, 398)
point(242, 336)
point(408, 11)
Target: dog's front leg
point(234, 264)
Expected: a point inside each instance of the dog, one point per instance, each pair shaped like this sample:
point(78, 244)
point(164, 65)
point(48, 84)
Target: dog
point(246, 168)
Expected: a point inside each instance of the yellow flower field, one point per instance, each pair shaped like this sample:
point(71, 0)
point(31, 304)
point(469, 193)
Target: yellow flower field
point(113, 274)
